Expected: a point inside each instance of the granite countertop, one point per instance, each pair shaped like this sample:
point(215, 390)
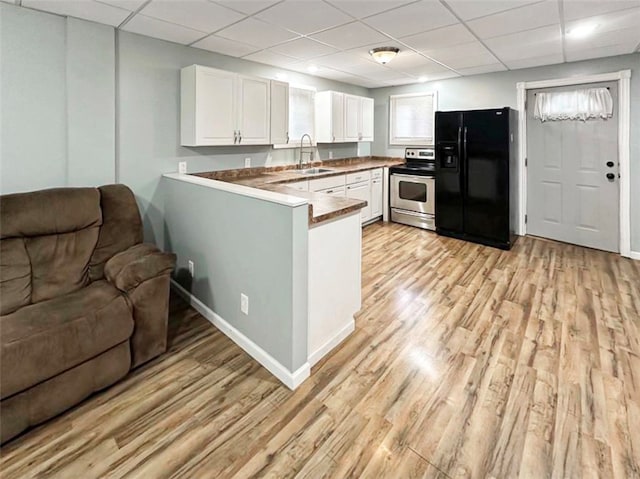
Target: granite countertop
point(322, 207)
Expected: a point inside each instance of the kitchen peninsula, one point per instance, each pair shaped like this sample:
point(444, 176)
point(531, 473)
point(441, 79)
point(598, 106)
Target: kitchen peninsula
point(272, 257)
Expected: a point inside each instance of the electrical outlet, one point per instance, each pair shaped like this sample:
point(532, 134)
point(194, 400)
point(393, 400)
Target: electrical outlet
point(191, 268)
point(330, 155)
point(247, 162)
point(182, 167)
point(244, 303)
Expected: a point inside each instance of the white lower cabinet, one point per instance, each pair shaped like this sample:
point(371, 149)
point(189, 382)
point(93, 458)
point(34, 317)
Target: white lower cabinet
point(361, 191)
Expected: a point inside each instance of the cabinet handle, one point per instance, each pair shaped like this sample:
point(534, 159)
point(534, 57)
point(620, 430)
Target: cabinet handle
point(239, 136)
point(287, 137)
point(334, 138)
point(235, 136)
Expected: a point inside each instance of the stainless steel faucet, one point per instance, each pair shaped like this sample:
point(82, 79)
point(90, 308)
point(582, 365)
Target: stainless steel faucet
point(310, 152)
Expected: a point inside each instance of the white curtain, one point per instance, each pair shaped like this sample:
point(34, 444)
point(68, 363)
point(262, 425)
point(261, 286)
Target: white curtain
point(574, 105)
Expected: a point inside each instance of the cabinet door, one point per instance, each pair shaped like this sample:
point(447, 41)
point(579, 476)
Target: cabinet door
point(366, 128)
point(254, 115)
point(361, 191)
point(215, 104)
point(337, 117)
point(279, 113)
point(352, 107)
point(376, 197)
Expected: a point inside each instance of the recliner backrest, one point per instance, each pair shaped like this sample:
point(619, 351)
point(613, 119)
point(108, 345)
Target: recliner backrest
point(56, 241)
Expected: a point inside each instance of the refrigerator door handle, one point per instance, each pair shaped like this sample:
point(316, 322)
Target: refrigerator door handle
point(464, 141)
point(459, 143)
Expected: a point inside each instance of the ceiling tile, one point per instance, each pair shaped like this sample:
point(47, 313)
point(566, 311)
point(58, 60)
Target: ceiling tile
point(271, 58)
point(350, 36)
point(610, 22)
point(576, 9)
point(152, 27)
point(469, 9)
point(495, 67)
point(415, 64)
point(540, 42)
point(608, 51)
point(247, 6)
point(365, 8)
point(439, 38)
point(196, 14)
point(350, 62)
point(86, 10)
point(516, 20)
point(303, 16)
point(217, 44)
point(131, 5)
point(466, 55)
point(256, 32)
point(534, 62)
point(13, 2)
point(604, 39)
point(413, 18)
point(304, 48)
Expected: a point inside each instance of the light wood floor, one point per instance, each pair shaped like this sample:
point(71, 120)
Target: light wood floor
point(466, 361)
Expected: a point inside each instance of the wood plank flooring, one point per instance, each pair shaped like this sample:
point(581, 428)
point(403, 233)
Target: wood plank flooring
point(466, 362)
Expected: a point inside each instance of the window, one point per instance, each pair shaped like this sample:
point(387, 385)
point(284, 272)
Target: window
point(301, 114)
point(411, 118)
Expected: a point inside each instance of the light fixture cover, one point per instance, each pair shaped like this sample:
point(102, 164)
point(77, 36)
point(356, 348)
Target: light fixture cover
point(384, 54)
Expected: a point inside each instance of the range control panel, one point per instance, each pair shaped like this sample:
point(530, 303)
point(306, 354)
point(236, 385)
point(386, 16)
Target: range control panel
point(420, 154)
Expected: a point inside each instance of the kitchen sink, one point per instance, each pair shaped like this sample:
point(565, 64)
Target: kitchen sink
point(313, 171)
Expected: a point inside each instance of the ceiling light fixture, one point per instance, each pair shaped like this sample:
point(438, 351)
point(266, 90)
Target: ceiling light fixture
point(582, 31)
point(312, 68)
point(384, 55)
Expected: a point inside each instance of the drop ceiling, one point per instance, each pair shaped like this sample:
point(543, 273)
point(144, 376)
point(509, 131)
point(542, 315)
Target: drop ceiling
point(437, 39)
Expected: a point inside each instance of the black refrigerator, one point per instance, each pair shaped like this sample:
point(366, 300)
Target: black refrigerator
point(476, 195)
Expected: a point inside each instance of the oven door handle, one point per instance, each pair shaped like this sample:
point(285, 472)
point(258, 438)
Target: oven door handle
point(412, 177)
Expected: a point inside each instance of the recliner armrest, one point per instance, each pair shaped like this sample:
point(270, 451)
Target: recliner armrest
point(133, 266)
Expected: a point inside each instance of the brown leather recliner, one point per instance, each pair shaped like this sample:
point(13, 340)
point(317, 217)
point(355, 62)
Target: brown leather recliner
point(82, 300)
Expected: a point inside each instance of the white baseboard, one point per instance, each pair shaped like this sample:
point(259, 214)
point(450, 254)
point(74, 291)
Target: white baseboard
point(290, 379)
point(634, 255)
point(332, 343)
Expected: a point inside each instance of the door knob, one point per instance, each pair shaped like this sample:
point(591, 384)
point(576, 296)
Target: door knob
point(610, 164)
point(610, 176)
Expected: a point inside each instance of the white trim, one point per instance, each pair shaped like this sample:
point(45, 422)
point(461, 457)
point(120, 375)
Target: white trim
point(634, 255)
point(332, 343)
point(623, 77)
point(271, 196)
point(290, 379)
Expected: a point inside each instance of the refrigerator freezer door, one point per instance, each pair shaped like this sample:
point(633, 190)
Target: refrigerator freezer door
point(449, 194)
point(486, 165)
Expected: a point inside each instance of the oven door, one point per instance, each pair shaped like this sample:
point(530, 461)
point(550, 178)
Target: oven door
point(413, 193)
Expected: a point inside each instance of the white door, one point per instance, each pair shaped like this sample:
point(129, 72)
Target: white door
point(215, 107)
point(254, 111)
point(337, 117)
point(366, 129)
point(572, 177)
point(361, 191)
point(279, 113)
point(376, 197)
point(352, 108)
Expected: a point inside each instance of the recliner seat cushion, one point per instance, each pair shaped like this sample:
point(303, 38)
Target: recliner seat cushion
point(47, 338)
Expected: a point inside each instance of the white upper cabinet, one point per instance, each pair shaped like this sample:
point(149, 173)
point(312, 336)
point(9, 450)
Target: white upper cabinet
point(279, 113)
point(341, 117)
point(254, 111)
point(223, 108)
point(329, 117)
point(366, 116)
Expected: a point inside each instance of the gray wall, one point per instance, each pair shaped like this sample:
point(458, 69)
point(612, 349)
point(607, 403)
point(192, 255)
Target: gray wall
point(149, 119)
point(499, 89)
point(58, 101)
point(263, 256)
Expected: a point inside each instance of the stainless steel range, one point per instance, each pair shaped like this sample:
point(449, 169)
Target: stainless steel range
point(412, 189)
